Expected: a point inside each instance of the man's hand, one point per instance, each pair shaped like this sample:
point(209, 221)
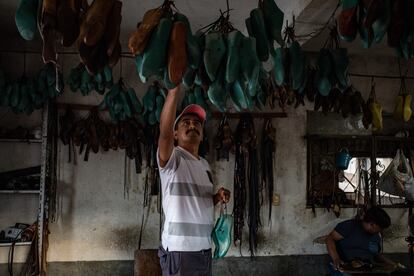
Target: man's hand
point(337, 263)
point(222, 196)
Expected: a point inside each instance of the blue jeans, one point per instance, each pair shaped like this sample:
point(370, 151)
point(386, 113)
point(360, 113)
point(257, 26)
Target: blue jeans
point(334, 272)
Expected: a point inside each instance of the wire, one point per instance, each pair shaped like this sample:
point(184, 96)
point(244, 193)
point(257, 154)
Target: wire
point(378, 76)
point(318, 31)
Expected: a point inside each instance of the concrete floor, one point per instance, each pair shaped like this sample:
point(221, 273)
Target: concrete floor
point(303, 265)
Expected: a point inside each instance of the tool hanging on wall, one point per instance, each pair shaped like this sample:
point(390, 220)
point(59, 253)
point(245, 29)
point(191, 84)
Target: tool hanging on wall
point(152, 178)
point(66, 124)
point(268, 153)
point(224, 140)
point(246, 170)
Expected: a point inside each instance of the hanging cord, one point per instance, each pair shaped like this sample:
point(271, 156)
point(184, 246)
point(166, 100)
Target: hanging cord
point(222, 24)
point(24, 64)
point(289, 32)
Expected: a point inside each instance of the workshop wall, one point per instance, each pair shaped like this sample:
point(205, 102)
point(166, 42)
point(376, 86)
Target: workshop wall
point(98, 221)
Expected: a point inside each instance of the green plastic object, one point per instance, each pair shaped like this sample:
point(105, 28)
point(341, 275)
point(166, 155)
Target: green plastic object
point(259, 32)
point(238, 96)
point(155, 56)
point(217, 93)
point(273, 18)
point(298, 65)
point(279, 66)
point(341, 62)
point(26, 18)
point(234, 40)
point(222, 235)
point(215, 50)
point(250, 64)
point(323, 78)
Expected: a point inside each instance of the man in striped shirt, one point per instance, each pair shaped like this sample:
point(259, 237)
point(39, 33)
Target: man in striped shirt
point(187, 191)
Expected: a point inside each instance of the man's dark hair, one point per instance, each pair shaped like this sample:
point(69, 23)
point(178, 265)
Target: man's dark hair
point(378, 216)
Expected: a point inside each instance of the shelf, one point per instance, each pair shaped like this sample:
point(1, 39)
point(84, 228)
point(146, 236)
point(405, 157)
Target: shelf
point(28, 141)
point(19, 191)
point(7, 244)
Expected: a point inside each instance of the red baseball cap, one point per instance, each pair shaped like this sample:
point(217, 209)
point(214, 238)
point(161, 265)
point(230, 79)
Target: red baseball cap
point(192, 109)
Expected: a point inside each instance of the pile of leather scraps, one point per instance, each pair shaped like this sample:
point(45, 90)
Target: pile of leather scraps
point(164, 45)
point(196, 95)
point(224, 140)
point(98, 41)
point(28, 94)
point(153, 101)
point(122, 102)
point(80, 79)
point(59, 24)
point(402, 108)
point(92, 133)
point(373, 19)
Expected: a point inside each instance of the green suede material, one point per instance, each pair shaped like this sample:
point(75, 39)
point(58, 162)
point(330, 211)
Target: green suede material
point(259, 32)
point(363, 31)
point(214, 52)
point(347, 4)
point(234, 40)
point(249, 28)
point(297, 65)
point(138, 65)
point(249, 64)
point(222, 235)
point(155, 55)
point(148, 100)
point(189, 77)
point(217, 93)
point(167, 82)
point(136, 104)
point(279, 66)
point(341, 63)
point(238, 96)
point(380, 26)
point(26, 18)
point(273, 18)
point(323, 78)
point(159, 100)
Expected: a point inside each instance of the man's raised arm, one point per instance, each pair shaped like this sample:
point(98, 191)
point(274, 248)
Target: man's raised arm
point(166, 139)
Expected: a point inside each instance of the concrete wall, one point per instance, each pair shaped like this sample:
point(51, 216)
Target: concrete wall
point(97, 222)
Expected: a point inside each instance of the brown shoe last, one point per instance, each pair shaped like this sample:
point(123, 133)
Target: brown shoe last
point(177, 53)
point(139, 39)
point(95, 22)
point(113, 28)
point(348, 24)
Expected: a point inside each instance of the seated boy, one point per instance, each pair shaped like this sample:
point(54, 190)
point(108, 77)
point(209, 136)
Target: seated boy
point(358, 240)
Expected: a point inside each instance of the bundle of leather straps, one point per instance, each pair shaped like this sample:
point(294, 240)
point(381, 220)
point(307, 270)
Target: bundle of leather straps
point(246, 171)
point(224, 140)
point(92, 133)
point(268, 149)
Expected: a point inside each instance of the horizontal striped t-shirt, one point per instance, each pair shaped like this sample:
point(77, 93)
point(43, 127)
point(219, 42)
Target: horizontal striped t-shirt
point(187, 201)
